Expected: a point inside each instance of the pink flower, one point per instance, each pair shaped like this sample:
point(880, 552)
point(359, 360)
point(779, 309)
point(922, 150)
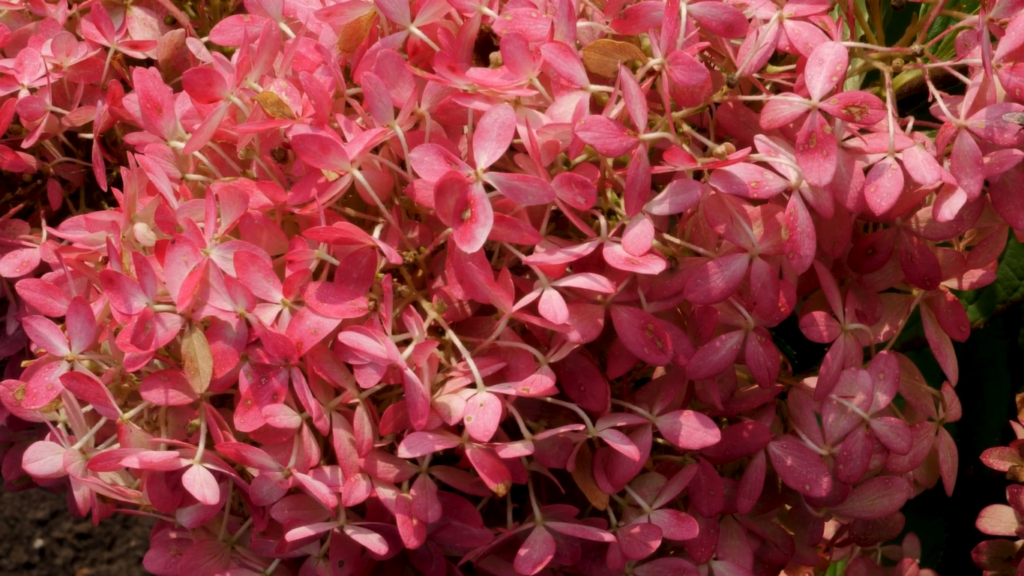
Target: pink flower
point(388, 285)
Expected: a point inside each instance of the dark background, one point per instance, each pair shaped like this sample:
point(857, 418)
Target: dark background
point(991, 372)
point(38, 537)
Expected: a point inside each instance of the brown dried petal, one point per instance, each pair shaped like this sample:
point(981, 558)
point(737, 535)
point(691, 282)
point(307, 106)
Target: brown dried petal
point(602, 57)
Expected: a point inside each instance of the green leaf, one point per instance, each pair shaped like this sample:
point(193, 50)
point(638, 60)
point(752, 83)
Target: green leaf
point(1005, 291)
point(946, 48)
point(895, 22)
point(837, 568)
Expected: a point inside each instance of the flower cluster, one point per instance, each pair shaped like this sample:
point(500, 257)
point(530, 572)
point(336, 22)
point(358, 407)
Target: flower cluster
point(333, 286)
point(1003, 557)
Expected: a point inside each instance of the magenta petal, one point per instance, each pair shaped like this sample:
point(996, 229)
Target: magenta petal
point(44, 460)
point(620, 443)
point(872, 252)
point(990, 124)
point(839, 412)
point(720, 19)
point(42, 295)
point(941, 345)
point(674, 524)
point(638, 237)
point(844, 353)
point(369, 539)
point(757, 47)
point(893, 433)
point(689, 430)
point(422, 443)
point(800, 37)
point(854, 457)
point(482, 416)
point(634, 98)
point(800, 467)
point(816, 150)
point(826, 67)
point(493, 134)
point(88, 388)
point(674, 486)
point(717, 279)
point(581, 531)
point(472, 219)
point(875, 498)
point(856, 107)
point(799, 235)
point(201, 484)
point(586, 281)
point(678, 197)
point(781, 110)
point(690, 80)
point(336, 300)
point(883, 186)
point(921, 166)
point(617, 257)
point(639, 540)
point(998, 520)
point(967, 165)
point(417, 399)
point(751, 483)
point(1000, 161)
point(950, 314)
point(919, 263)
point(523, 189)
point(761, 357)
point(513, 231)
point(535, 553)
point(412, 530)
point(739, 441)
point(582, 381)
point(748, 181)
point(44, 385)
point(638, 182)
point(606, 136)
point(643, 335)
point(566, 63)
point(948, 459)
point(124, 294)
point(575, 190)
point(1006, 196)
point(282, 416)
point(884, 370)
point(167, 388)
point(716, 356)
point(819, 326)
point(552, 306)
point(45, 334)
point(948, 203)
point(316, 149)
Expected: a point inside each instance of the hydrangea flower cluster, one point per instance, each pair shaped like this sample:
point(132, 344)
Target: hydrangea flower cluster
point(1003, 557)
point(371, 285)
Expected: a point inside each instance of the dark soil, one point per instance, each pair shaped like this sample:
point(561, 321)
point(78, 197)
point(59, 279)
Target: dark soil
point(39, 537)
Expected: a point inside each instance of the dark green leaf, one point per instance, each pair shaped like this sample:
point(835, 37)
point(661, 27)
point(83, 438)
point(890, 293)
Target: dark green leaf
point(946, 48)
point(896, 21)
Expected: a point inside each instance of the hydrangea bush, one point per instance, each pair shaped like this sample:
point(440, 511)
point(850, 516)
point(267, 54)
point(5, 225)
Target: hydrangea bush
point(495, 286)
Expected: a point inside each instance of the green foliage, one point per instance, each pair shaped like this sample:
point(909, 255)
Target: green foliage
point(837, 568)
point(946, 47)
point(895, 22)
